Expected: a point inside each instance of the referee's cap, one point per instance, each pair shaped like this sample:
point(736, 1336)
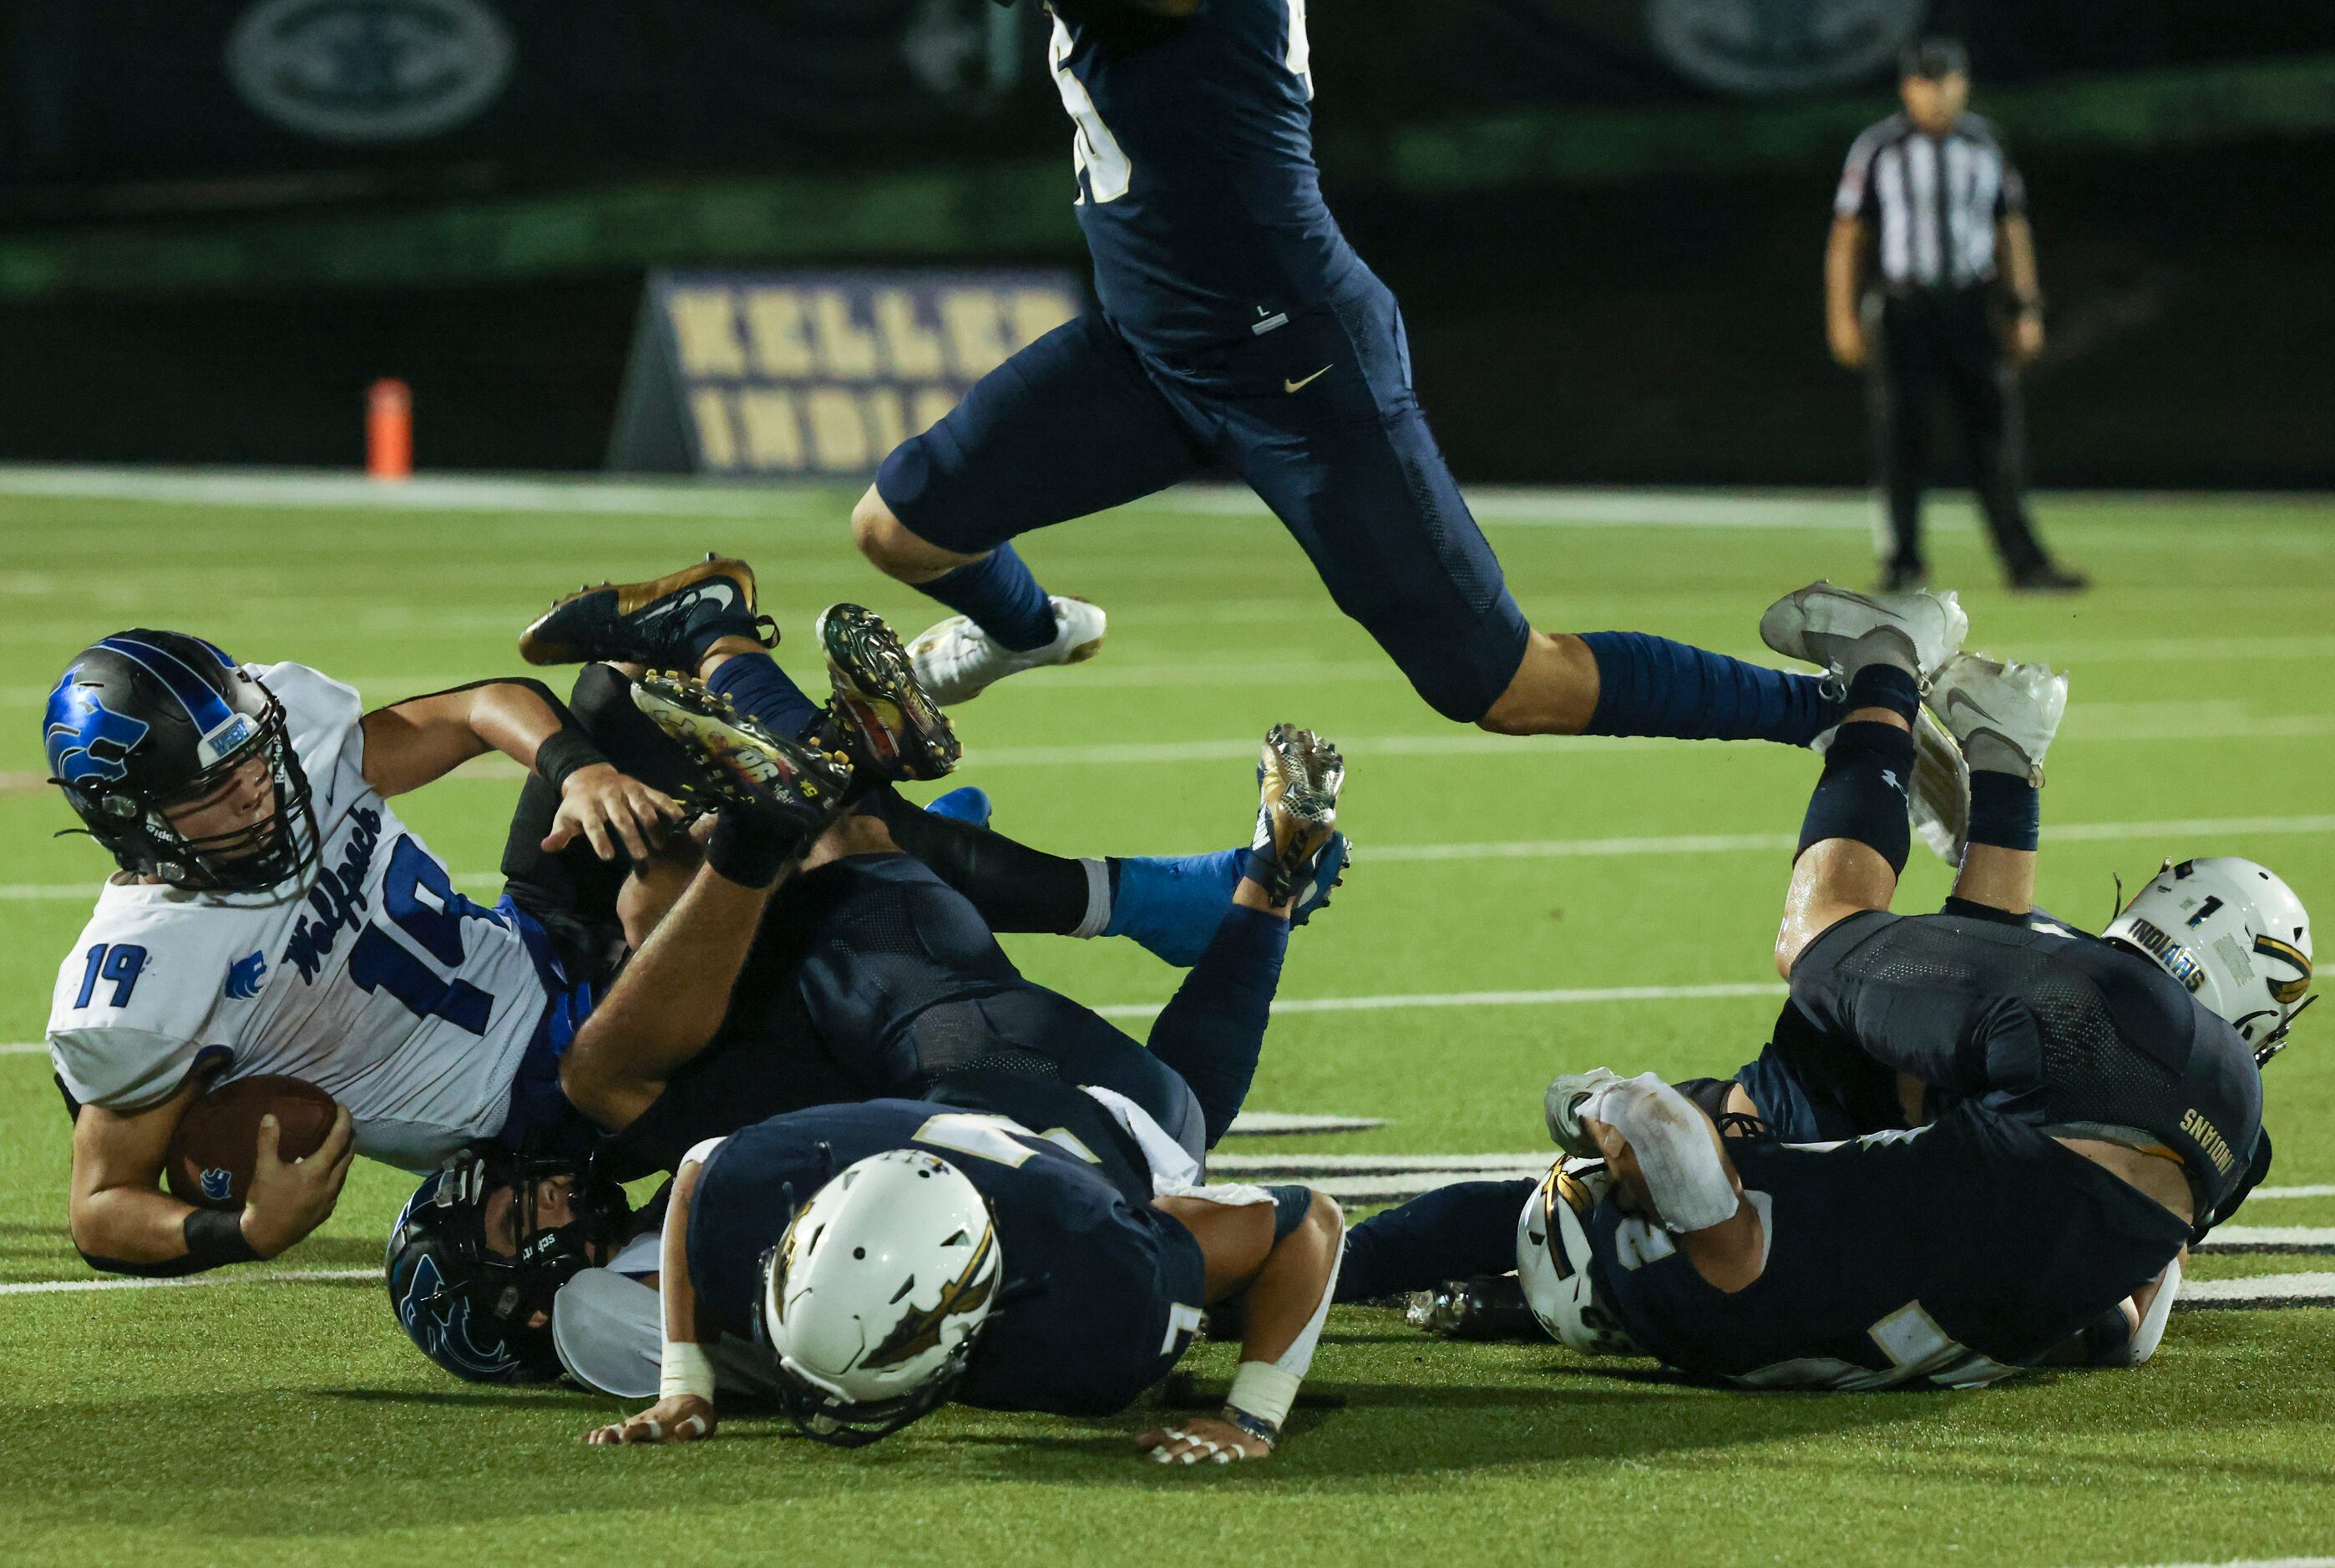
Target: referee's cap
point(1931, 59)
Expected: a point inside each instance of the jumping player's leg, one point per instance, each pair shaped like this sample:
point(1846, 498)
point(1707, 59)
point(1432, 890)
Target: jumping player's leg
point(1346, 461)
point(1067, 428)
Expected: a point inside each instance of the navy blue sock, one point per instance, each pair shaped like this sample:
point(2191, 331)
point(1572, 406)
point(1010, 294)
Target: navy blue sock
point(1002, 598)
point(1653, 686)
point(2006, 810)
point(1861, 795)
point(1213, 1027)
point(1885, 686)
point(1449, 1233)
point(759, 689)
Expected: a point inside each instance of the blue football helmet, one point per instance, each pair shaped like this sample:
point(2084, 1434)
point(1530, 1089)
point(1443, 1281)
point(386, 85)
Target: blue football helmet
point(142, 721)
point(470, 1307)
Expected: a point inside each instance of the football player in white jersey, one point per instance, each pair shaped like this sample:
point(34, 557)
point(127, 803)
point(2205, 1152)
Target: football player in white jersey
point(272, 915)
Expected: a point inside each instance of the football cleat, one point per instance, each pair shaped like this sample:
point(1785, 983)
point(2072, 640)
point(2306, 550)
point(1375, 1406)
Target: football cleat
point(1561, 1106)
point(1298, 775)
point(792, 787)
point(881, 716)
point(1842, 631)
point(2007, 713)
point(1485, 1307)
point(666, 623)
point(1171, 905)
point(957, 661)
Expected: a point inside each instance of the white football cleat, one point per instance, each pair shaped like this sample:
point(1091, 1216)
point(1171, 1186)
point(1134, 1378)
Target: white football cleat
point(2001, 707)
point(956, 661)
point(1828, 626)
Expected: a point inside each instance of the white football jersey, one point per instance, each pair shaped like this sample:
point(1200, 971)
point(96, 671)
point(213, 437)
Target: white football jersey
point(382, 985)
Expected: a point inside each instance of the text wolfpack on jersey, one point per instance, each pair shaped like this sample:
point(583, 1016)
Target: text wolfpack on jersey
point(338, 898)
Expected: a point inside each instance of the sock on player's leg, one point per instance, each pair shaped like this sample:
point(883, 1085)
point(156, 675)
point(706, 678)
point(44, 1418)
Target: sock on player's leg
point(1861, 795)
point(1172, 903)
point(1450, 1233)
point(762, 692)
point(1213, 1028)
point(1651, 685)
point(2006, 810)
point(999, 595)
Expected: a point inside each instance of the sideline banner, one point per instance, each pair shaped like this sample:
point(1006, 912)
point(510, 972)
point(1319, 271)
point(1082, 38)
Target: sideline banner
point(815, 374)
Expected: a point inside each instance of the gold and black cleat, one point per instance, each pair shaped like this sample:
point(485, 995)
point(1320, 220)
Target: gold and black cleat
point(880, 715)
point(666, 623)
point(1298, 777)
point(790, 785)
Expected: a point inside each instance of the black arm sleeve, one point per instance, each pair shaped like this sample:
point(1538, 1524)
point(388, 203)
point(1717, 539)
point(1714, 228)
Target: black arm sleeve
point(1014, 886)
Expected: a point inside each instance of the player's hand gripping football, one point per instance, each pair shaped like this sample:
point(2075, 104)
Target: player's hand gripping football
point(609, 809)
point(1201, 1440)
point(289, 1199)
point(682, 1418)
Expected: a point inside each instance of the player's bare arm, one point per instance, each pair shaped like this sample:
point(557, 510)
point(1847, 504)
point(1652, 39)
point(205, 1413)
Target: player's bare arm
point(683, 1412)
point(1284, 1284)
point(415, 742)
point(1844, 279)
point(124, 1223)
point(2017, 241)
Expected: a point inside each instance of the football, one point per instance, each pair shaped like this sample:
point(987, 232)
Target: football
point(217, 1146)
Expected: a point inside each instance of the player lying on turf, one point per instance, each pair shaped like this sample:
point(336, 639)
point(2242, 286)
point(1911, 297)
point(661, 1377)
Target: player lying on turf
point(2101, 1046)
point(482, 1254)
point(1238, 328)
point(274, 916)
point(887, 1257)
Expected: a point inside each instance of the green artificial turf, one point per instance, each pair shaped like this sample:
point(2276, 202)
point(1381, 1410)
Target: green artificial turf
point(266, 1421)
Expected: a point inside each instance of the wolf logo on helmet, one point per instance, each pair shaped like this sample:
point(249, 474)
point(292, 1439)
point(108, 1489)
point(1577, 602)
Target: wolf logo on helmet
point(470, 1307)
point(144, 721)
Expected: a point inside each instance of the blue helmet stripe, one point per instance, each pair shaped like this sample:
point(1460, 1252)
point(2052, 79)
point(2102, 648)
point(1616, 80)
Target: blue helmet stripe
point(203, 705)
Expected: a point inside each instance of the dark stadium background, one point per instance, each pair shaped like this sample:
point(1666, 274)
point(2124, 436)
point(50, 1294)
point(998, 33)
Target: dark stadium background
point(1610, 264)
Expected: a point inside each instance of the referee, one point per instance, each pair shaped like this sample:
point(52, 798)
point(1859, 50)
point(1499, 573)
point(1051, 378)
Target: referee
point(1936, 190)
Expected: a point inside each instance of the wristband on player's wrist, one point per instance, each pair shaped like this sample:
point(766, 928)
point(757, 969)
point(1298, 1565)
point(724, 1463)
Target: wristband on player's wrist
point(215, 1236)
point(1252, 1426)
point(743, 852)
point(565, 752)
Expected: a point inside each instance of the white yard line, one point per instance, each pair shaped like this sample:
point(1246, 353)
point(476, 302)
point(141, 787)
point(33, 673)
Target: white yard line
point(2272, 1238)
point(1285, 1124)
point(2317, 1289)
point(1565, 998)
point(278, 1277)
point(2323, 1191)
point(2258, 1562)
point(1555, 848)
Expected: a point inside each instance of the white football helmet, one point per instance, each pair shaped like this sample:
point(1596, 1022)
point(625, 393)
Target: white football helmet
point(1553, 1259)
point(876, 1296)
point(2231, 932)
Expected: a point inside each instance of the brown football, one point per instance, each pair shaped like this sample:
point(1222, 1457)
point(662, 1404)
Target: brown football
point(216, 1144)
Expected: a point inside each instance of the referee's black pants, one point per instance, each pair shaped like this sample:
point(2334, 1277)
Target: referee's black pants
point(1944, 341)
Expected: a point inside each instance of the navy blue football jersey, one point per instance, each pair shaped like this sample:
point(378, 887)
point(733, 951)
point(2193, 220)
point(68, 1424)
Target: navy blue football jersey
point(2042, 1023)
point(1951, 1254)
point(1102, 1291)
point(1193, 152)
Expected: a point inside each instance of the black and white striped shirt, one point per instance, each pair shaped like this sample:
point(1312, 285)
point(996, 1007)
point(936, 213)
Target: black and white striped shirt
point(1935, 200)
